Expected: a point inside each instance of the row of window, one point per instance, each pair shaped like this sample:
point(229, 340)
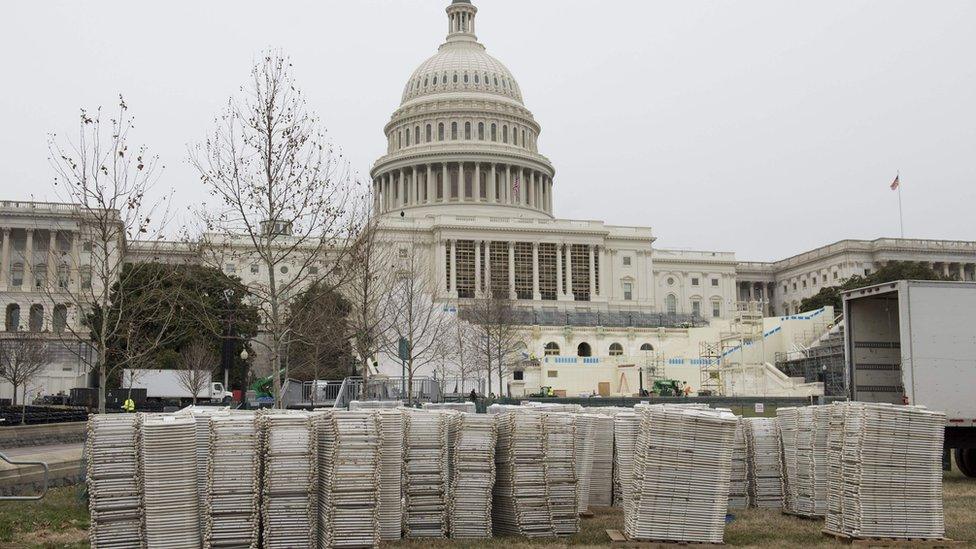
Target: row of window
point(671, 306)
point(584, 349)
point(231, 269)
point(463, 80)
point(35, 318)
point(468, 131)
point(41, 279)
point(814, 280)
point(695, 281)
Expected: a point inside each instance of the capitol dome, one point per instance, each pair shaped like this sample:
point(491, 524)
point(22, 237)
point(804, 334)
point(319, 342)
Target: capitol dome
point(462, 140)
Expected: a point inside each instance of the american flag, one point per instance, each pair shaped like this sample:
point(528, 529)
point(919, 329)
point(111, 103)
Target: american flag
point(515, 188)
point(896, 183)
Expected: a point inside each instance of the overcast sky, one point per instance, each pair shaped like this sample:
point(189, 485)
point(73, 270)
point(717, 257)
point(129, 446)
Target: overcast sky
point(761, 127)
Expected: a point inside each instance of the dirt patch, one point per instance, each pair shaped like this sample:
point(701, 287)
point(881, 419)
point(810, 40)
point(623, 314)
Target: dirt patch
point(50, 538)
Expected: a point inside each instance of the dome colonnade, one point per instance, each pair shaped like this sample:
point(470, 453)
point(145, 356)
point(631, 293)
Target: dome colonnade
point(462, 135)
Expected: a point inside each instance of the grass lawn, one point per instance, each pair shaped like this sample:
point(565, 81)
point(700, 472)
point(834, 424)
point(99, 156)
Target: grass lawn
point(61, 520)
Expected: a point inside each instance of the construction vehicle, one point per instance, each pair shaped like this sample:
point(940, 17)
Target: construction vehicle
point(263, 389)
point(911, 342)
point(545, 392)
point(667, 388)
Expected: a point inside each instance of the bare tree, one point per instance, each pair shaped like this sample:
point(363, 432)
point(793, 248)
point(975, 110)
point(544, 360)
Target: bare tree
point(497, 335)
point(462, 359)
point(367, 291)
point(195, 367)
point(284, 203)
point(22, 357)
point(110, 186)
point(415, 318)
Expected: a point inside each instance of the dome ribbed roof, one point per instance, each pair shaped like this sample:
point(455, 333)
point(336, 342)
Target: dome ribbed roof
point(462, 67)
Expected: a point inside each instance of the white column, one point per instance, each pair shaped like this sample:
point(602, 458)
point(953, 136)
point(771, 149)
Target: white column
point(76, 260)
point(477, 182)
point(52, 259)
point(445, 184)
point(5, 260)
point(592, 260)
point(569, 272)
point(477, 268)
point(511, 270)
point(440, 266)
point(536, 295)
point(454, 290)
point(560, 287)
point(29, 260)
point(492, 185)
point(507, 195)
point(431, 192)
point(488, 268)
point(462, 183)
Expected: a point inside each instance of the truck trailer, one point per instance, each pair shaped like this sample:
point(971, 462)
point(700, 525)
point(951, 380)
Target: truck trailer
point(914, 342)
point(167, 386)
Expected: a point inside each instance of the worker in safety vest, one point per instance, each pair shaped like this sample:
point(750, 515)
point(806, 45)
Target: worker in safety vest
point(129, 405)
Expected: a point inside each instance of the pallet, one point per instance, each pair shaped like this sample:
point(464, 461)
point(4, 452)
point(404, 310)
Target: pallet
point(618, 538)
point(891, 542)
point(803, 517)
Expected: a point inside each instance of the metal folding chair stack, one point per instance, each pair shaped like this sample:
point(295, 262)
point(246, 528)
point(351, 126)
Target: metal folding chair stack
point(472, 476)
point(290, 475)
point(114, 491)
point(233, 486)
point(167, 456)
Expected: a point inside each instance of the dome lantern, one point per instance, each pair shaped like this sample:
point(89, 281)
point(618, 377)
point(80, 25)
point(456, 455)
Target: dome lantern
point(460, 21)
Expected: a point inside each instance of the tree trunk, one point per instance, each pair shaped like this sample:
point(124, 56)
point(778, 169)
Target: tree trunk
point(276, 380)
point(410, 383)
point(102, 382)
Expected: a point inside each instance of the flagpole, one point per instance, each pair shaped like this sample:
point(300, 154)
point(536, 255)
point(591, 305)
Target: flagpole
point(901, 212)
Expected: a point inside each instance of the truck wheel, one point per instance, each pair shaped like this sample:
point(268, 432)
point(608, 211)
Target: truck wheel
point(966, 461)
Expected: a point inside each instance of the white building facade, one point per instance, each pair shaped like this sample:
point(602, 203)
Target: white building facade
point(464, 185)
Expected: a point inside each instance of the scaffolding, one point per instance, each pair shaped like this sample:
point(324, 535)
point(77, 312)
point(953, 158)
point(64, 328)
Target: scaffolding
point(719, 359)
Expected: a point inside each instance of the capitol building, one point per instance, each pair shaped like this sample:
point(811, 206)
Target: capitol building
point(464, 185)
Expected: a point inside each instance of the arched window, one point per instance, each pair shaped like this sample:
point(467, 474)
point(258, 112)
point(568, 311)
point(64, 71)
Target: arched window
point(440, 132)
point(481, 131)
point(496, 81)
point(455, 78)
point(477, 80)
point(416, 135)
point(467, 130)
point(399, 140)
point(671, 304)
point(426, 82)
point(454, 131)
point(13, 318)
point(552, 349)
point(494, 132)
point(408, 137)
point(35, 322)
point(17, 275)
point(584, 350)
point(60, 318)
point(524, 142)
point(465, 78)
point(429, 133)
point(504, 134)
point(515, 136)
point(647, 347)
point(435, 79)
point(616, 349)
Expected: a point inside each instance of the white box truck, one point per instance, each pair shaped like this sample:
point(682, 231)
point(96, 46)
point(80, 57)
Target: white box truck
point(166, 385)
point(914, 342)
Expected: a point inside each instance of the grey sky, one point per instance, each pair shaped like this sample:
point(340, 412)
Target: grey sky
point(760, 127)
